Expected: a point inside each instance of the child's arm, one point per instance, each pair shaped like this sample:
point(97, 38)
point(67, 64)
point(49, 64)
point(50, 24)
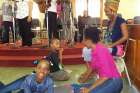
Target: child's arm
point(50, 88)
point(61, 54)
point(26, 87)
point(84, 78)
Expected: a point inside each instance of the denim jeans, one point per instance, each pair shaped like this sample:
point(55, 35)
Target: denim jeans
point(109, 86)
point(12, 86)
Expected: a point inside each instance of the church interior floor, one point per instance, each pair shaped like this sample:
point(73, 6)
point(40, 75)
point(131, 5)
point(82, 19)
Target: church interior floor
point(9, 74)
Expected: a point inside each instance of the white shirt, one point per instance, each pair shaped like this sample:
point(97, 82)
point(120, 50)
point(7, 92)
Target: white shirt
point(53, 7)
point(22, 9)
point(86, 54)
point(7, 14)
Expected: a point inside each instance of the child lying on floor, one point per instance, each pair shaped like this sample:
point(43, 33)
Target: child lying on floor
point(103, 64)
point(40, 82)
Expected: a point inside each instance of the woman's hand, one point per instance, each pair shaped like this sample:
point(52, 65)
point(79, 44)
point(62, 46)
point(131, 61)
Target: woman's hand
point(109, 46)
point(29, 19)
point(85, 90)
point(82, 79)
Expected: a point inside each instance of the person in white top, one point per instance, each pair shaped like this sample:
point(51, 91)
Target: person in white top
point(24, 17)
point(52, 18)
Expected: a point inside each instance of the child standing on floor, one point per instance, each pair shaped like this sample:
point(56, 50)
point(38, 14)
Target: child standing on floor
point(40, 82)
point(55, 57)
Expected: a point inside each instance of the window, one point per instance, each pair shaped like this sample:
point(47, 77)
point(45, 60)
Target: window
point(81, 5)
point(93, 7)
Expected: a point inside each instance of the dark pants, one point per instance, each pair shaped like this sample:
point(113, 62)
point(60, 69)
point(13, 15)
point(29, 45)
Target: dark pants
point(109, 86)
point(52, 25)
point(25, 31)
point(81, 32)
point(7, 27)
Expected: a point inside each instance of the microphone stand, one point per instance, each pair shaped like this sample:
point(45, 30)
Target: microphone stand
point(72, 27)
point(14, 24)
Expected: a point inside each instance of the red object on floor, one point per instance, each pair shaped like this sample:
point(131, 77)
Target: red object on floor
point(24, 57)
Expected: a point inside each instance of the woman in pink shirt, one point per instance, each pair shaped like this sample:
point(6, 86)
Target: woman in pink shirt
point(102, 63)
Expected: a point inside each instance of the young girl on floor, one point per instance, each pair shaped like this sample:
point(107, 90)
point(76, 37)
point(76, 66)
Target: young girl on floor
point(103, 64)
point(40, 82)
point(57, 71)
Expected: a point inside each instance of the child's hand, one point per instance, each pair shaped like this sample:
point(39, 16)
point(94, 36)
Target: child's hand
point(85, 90)
point(41, 57)
point(82, 79)
point(61, 49)
point(83, 74)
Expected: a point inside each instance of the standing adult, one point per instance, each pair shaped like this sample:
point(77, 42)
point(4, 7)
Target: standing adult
point(24, 17)
point(82, 22)
point(117, 32)
point(51, 18)
point(7, 17)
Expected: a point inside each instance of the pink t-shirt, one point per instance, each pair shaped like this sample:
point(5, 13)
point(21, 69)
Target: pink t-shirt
point(103, 63)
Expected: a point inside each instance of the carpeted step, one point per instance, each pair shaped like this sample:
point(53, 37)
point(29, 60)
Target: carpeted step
point(35, 52)
point(27, 61)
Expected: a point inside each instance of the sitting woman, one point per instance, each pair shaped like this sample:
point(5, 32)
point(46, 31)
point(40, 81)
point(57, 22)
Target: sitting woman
point(117, 32)
point(102, 63)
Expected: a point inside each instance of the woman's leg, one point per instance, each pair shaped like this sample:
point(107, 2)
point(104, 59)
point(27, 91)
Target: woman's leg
point(54, 25)
point(25, 30)
point(28, 33)
point(110, 86)
point(50, 27)
point(21, 31)
point(13, 33)
point(6, 32)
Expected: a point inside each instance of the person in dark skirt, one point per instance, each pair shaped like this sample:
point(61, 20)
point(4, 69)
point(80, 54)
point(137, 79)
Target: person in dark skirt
point(51, 19)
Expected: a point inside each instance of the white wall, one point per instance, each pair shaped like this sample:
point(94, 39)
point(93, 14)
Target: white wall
point(129, 8)
point(1, 1)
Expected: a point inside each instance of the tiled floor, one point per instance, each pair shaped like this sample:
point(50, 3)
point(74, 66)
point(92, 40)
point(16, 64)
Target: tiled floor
point(10, 74)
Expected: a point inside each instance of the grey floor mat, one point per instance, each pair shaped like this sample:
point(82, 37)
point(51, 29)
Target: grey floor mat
point(63, 89)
